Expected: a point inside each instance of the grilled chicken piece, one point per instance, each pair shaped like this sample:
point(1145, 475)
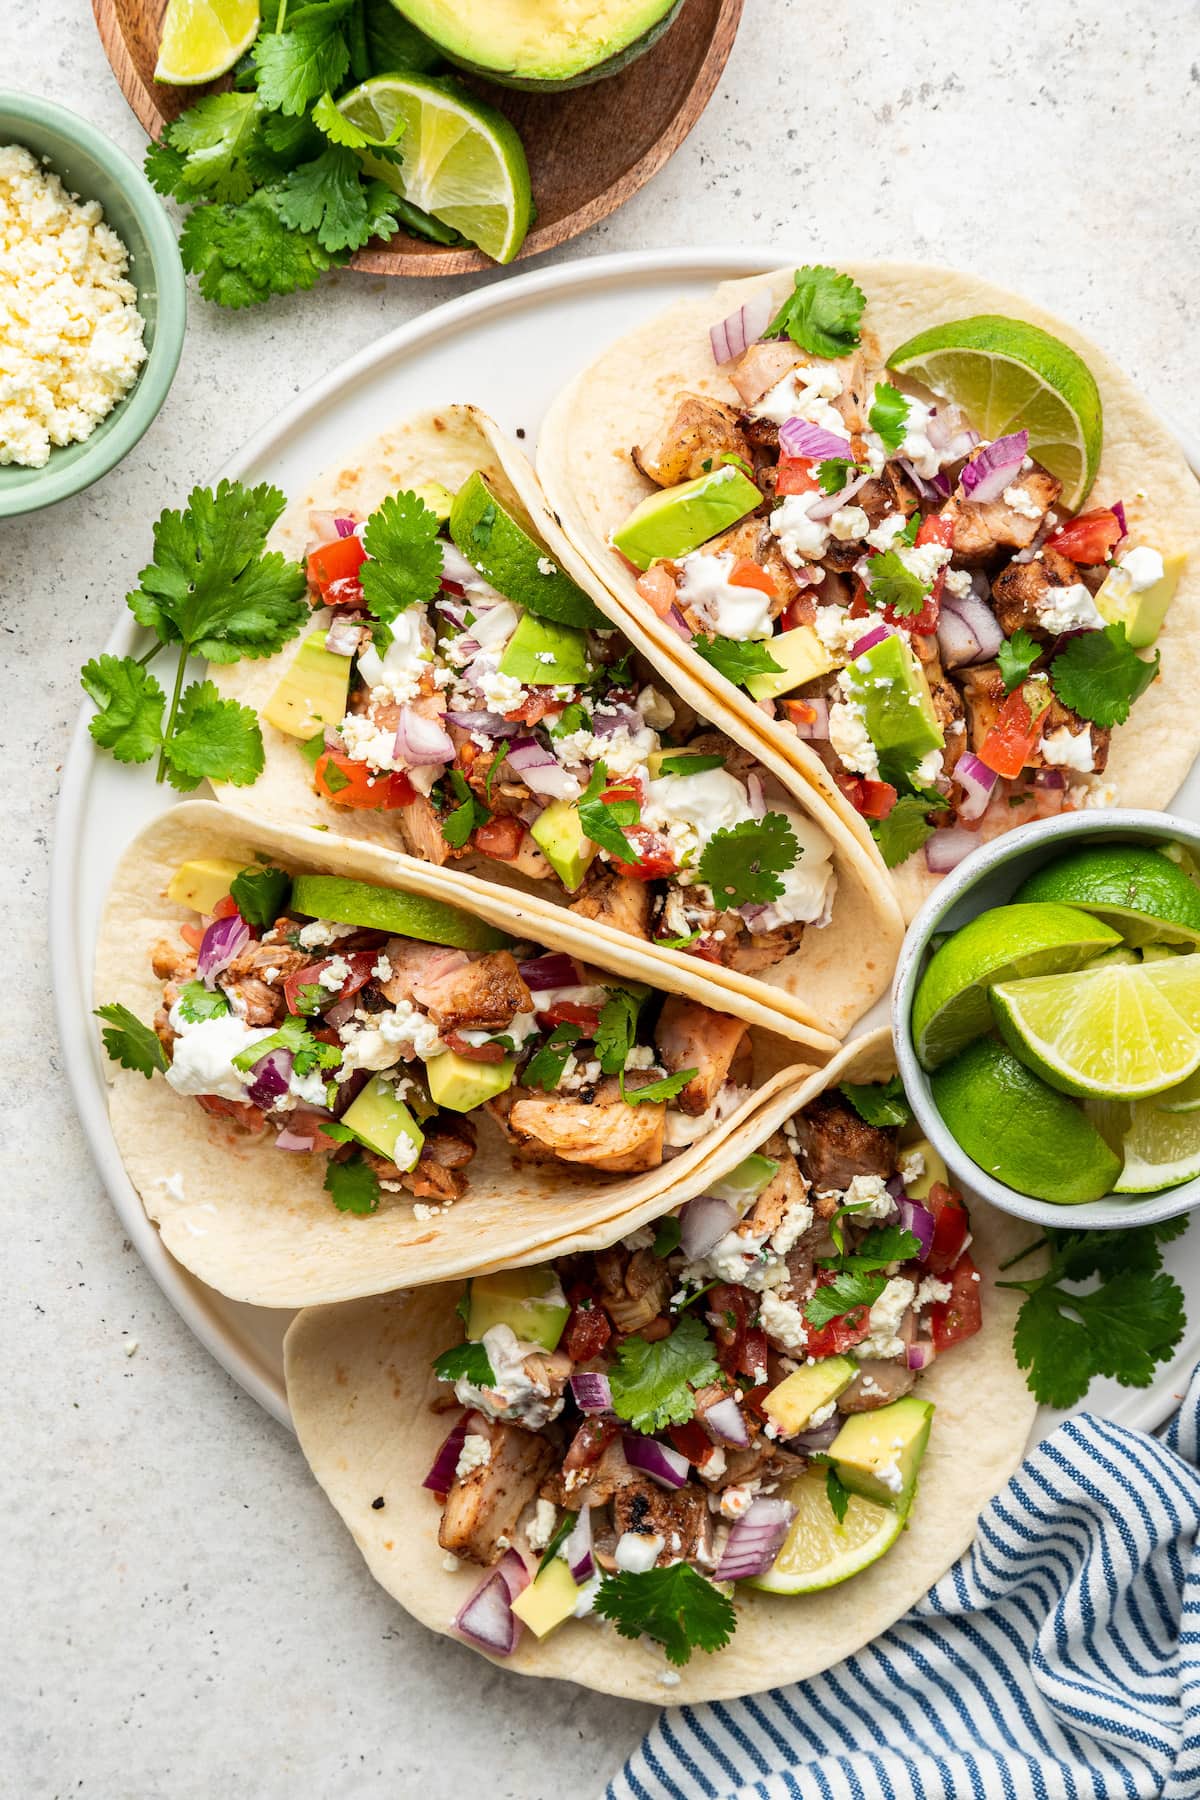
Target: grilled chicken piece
point(417, 969)
point(484, 994)
point(983, 695)
point(485, 1504)
point(173, 962)
point(836, 1145)
point(749, 952)
point(1021, 589)
point(634, 1287)
point(421, 831)
point(609, 1134)
point(259, 959)
point(983, 533)
point(886, 493)
point(448, 1148)
point(681, 1519)
point(876, 1384)
point(254, 1000)
point(764, 1461)
point(616, 900)
point(761, 367)
point(947, 706)
point(593, 1470)
point(854, 401)
point(787, 1187)
point(700, 432)
point(691, 1037)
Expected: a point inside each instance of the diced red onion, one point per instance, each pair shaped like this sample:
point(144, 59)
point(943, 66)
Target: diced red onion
point(349, 1090)
point(487, 1620)
point(971, 633)
point(454, 610)
point(987, 475)
point(457, 569)
point(341, 1012)
point(942, 485)
point(754, 790)
point(440, 1478)
point(659, 1461)
point(826, 507)
point(539, 770)
point(555, 970)
point(223, 941)
point(798, 437)
point(487, 724)
point(422, 742)
point(817, 1439)
point(608, 719)
point(679, 624)
point(493, 628)
point(514, 1572)
point(919, 1355)
point(734, 335)
point(767, 707)
point(976, 781)
point(944, 428)
point(290, 1139)
point(1118, 510)
point(271, 1076)
point(924, 487)
point(875, 636)
point(343, 637)
point(725, 1423)
point(333, 738)
point(946, 849)
point(344, 527)
point(703, 1223)
point(1049, 778)
point(578, 1547)
point(817, 728)
point(920, 1221)
point(591, 1392)
point(755, 1540)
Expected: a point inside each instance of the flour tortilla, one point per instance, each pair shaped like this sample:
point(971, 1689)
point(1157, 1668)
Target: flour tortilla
point(255, 1222)
point(623, 398)
point(835, 974)
point(360, 1385)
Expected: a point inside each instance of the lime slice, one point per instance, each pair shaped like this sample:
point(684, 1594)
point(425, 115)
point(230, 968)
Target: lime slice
point(1145, 894)
point(1021, 1131)
point(818, 1552)
point(1122, 1032)
point(345, 902)
point(1161, 1148)
point(1010, 376)
point(951, 1006)
point(460, 160)
point(202, 39)
point(1182, 1099)
point(495, 542)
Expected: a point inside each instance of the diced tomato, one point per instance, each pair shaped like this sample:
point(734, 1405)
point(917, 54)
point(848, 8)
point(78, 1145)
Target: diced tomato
point(225, 909)
point(752, 1356)
point(536, 705)
point(587, 1332)
point(249, 1117)
point(860, 604)
point(500, 838)
point(691, 1440)
point(569, 1012)
point(192, 935)
point(356, 784)
point(1088, 539)
point(800, 712)
point(748, 574)
point(741, 1347)
point(656, 857)
point(481, 1053)
point(795, 475)
point(936, 529)
point(337, 561)
point(873, 799)
point(961, 1315)
point(360, 962)
point(628, 787)
point(1010, 742)
point(840, 1333)
point(657, 589)
point(951, 1225)
point(589, 1443)
point(753, 1399)
point(797, 612)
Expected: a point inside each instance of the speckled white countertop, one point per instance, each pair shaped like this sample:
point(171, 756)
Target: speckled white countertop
point(183, 1615)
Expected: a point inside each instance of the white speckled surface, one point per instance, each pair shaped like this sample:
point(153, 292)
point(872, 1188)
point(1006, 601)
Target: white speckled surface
point(183, 1616)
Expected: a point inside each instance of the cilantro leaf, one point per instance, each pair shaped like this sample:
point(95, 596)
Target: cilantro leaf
point(129, 1042)
point(197, 1002)
point(683, 764)
point(892, 583)
point(888, 416)
point(667, 1237)
point(849, 1290)
point(297, 65)
point(742, 863)
point(217, 141)
point(308, 1052)
point(131, 703)
point(244, 254)
point(822, 313)
point(837, 1494)
point(665, 1089)
point(736, 661)
point(1017, 656)
point(213, 737)
point(906, 828)
point(604, 821)
point(401, 536)
point(885, 1244)
point(458, 825)
point(683, 942)
point(834, 473)
point(652, 1383)
point(470, 1360)
point(261, 894)
point(545, 1067)
point(878, 1102)
point(675, 1606)
point(327, 197)
point(1100, 675)
point(353, 1186)
point(617, 1028)
point(164, 168)
point(341, 130)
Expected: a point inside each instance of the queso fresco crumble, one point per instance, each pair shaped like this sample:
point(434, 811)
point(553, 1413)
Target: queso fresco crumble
point(70, 332)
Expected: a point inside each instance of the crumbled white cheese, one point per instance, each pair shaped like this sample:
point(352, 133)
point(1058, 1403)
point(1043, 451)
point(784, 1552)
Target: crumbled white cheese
point(546, 566)
point(912, 1166)
point(203, 1052)
point(1068, 609)
point(800, 537)
point(783, 1322)
point(1101, 794)
point(848, 523)
point(735, 1501)
point(931, 1291)
point(514, 1395)
point(805, 393)
point(396, 675)
point(540, 1529)
point(321, 933)
point(888, 529)
point(958, 583)
point(867, 1197)
point(502, 693)
point(636, 1554)
point(837, 631)
point(1022, 502)
point(476, 1453)
point(335, 974)
point(850, 739)
point(884, 1318)
point(1067, 749)
point(791, 1228)
point(928, 770)
point(1143, 566)
point(822, 1415)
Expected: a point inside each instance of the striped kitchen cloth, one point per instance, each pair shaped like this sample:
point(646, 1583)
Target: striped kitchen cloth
point(1058, 1660)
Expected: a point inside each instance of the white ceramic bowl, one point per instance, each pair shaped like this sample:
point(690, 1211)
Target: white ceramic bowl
point(989, 877)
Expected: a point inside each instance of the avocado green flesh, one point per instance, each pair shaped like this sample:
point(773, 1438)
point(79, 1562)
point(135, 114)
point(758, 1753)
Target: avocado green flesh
point(676, 520)
point(806, 1390)
point(801, 657)
point(460, 1085)
point(560, 837)
point(543, 653)
point(878, 1454)
point(346, 902)
point(312, 692)
point(747, 1181)
point(888, 684)
point(541, 44)
point(384, 1124)
point(498, 545)
point(515, 1297)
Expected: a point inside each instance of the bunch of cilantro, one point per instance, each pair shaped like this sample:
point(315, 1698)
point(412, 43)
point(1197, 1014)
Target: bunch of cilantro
point(272, 170)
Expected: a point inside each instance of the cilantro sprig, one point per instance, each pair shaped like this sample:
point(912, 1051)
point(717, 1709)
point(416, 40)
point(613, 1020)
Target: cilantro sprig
point(894, 584)
point(888, 416)
point(129, 1042)
point(1016, 657)
point(652, 1384)
point(737, 662)
point(261, 894)
point(617, 1029)
point(822, 313)
point(468, 1359)
point(658, 1091)
point(545, 1067)
point(906, 827)
point(742, 864)
point(197, 1003)
point(353, 1186)
point(1099, 675)
point(675, 1606)
point(404, 566)
point(308, 1052)
point(606, 821)
point(849, 1291)
point(878, 1102)
point(462, 820)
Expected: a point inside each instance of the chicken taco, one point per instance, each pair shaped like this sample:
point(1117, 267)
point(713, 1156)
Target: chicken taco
point(937, 610)
point(647, 1463)
point(328, 1080)
point(461, 700)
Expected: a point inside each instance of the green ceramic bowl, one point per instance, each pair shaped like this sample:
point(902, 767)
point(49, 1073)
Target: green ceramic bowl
point(96, 170)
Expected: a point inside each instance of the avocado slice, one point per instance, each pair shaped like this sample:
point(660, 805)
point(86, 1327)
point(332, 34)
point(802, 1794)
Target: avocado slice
point(515, 1297)
point(935, 1170)
point(495, 542)
point(878, 1454)
point(202, 883)
point(747, 1181)
point(549, 1600)
point(888, 683)
point(458, 1083)
point(1142, 614)
point(313, 691)
point(437, 498)
point(801, 657)
point(562, 840)
point(806, 1390)
point(541, 653)
point(387, 909)
point(678, 519)
point(545, 45)
point(381, 1121)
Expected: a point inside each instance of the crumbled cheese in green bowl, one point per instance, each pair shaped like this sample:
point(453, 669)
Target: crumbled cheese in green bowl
point(63, 261)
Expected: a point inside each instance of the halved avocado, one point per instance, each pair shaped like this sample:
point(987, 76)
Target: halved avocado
point(541, 44)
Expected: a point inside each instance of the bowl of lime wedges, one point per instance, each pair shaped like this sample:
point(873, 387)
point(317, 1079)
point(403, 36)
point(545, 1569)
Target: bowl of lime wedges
point(1046, 1013)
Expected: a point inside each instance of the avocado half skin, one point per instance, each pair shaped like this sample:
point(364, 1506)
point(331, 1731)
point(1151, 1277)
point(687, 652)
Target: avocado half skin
point(601, 71)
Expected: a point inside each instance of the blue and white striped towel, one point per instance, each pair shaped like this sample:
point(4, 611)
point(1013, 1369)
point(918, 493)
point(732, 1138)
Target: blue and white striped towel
point(1059, 1660)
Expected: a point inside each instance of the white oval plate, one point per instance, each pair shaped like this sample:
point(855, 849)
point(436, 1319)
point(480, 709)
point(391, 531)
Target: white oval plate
point(509, 348)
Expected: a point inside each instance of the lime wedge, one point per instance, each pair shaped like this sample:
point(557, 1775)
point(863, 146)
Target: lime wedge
point(1010, 376)
point(460, 160)
point(1144, 893)
point(951, 1006)
point(1162, 1149)
point(1182, 1099)
point(1122, 1032)
point(818, 1552)
point(202, 39)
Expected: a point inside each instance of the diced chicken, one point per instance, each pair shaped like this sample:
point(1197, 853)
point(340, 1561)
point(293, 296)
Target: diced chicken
point(680, 1518)
point(634, 1288)
point(761, 367)
point(417, 968)
point(983, 533)
point(717, 1047)
point(484, 994)
point(1020, 590)
point(885, 494)
point(983, 695)
point(764, 1462)
point(947, 706)
point(273, 961)
point(448, 1148)
point(750, 952)
point(836, 1145)
point(173, 961)
point(485, 1504)
point(787, 1187)
point(529, 861)
point(421, 831)
point(701, 430)
point(858, 391)
point(876, 1384)
point(609, 1134)
point(256, 1002)
point(616, 900)
point(593, 1470)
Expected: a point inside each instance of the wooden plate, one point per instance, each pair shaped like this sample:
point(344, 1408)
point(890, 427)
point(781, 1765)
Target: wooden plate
point(589, 148)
